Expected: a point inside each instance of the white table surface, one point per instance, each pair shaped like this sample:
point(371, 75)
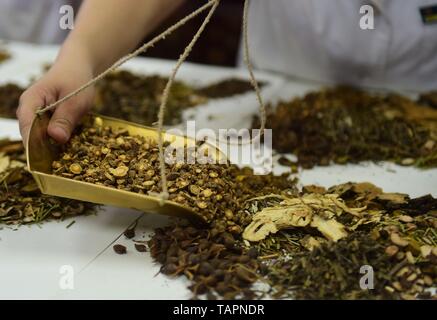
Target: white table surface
point(31, 256)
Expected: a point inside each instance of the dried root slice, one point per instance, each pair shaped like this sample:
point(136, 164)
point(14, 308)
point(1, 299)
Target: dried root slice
point(301, 212)
point(331, 229)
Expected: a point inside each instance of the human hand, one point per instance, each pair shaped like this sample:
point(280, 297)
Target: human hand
point(63, 77)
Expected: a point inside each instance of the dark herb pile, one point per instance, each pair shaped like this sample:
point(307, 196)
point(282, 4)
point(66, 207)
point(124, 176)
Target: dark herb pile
point(226, 88)
point(21, 202)
point(345, 125)
point(9, 98)
point(393, 234)
point(215, 258)
point(136, 98)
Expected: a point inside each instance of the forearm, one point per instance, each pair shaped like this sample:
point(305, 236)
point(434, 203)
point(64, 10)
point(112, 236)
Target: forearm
point(105, 30)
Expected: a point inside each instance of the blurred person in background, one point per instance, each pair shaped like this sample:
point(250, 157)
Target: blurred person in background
point(319, 40)
point(33, 21)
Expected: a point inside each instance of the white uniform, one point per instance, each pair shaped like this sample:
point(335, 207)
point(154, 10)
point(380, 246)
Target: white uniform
point(313, 39)
point(35, 21)
point(322, 40)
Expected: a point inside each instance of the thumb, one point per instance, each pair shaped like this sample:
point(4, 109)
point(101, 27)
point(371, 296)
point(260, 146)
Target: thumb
point(32, 99)
point(66, 117)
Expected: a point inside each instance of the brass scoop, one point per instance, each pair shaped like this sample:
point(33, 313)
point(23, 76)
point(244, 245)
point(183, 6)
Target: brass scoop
point(41, 152)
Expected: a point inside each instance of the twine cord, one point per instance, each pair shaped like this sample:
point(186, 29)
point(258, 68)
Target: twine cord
point(262, 108)
point(164, 193)
point(253, 82)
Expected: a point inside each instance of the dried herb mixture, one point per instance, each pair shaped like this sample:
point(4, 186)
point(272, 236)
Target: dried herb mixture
point(346, 125)
point(21, 202)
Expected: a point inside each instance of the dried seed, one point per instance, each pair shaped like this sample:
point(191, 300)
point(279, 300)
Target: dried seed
point(391, 250)
point(397, 240)
point(129, 233)
point(412, 277)
point(202, 204)
point(140, 247)
point(148, 183)
point(406, 219)
point(119, 249)
point(194, 189)
point(75, 168)
point(120, 171)
point(207, 193)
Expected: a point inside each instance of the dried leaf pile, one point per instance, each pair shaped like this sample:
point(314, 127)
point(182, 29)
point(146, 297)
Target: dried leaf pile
point(21, 202)
point(9, 98)
point(393, 234)
point(137, 98)
point(345, 125)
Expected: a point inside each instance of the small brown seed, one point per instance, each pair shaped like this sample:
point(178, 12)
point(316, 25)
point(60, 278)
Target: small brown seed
point(148, 183)
point(194, 189)
point(119, 249)
point(412, 277)
point(391, 250)
point(396, 239)
point(129, 233)
point(120, 171)
point(406, 219)
point(140, 247)
point(75, 168)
